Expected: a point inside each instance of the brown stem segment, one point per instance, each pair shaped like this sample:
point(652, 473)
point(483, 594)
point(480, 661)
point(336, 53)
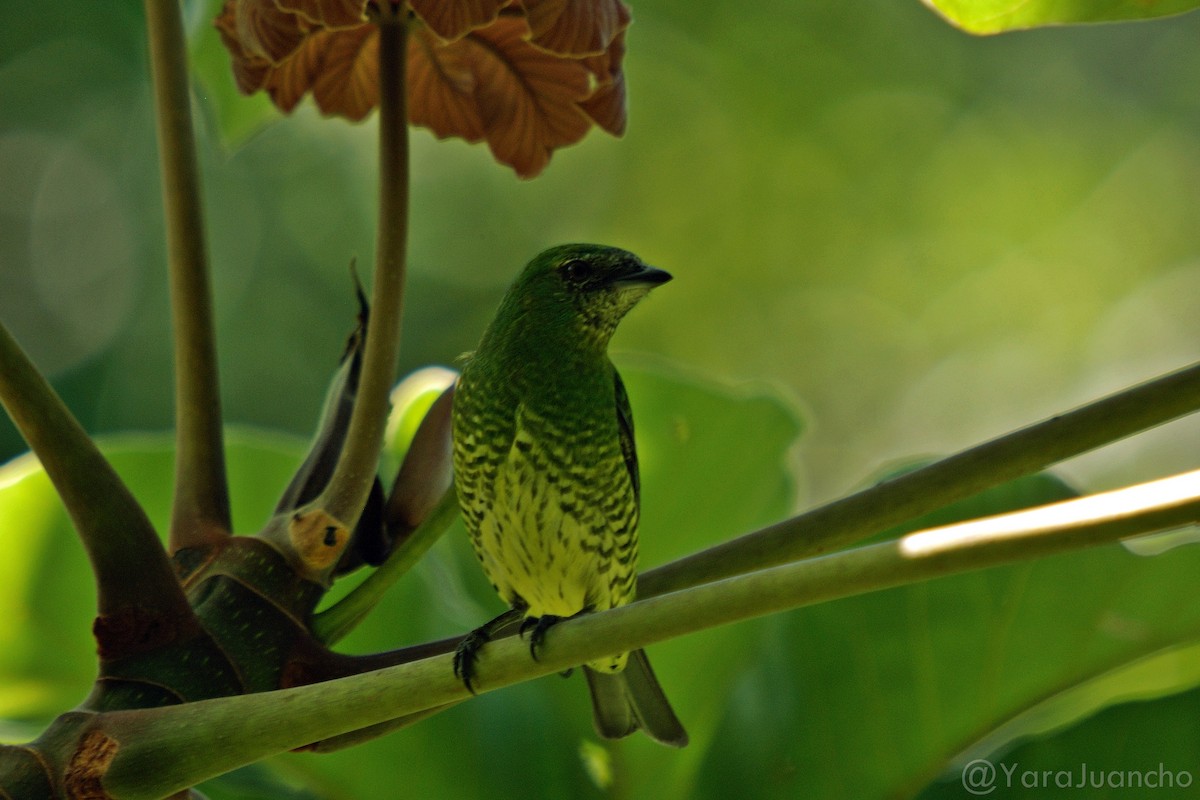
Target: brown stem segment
point(200, 511)
point(134, 578)
point(352, 477)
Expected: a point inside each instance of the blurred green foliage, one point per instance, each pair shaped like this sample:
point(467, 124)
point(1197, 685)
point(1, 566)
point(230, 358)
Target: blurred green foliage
point(926, 237)
point(995, 16)
point(921, 237)
point(1146, 735)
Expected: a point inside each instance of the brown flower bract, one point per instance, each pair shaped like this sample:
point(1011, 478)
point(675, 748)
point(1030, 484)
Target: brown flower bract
point(527, 76)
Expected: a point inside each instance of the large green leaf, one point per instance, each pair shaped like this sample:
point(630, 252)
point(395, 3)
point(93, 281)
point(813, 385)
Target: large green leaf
point(996, 16)
point(47, 593)
point(1124, 750)
point(873, 696)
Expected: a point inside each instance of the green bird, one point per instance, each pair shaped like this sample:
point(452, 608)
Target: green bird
point(547, 473)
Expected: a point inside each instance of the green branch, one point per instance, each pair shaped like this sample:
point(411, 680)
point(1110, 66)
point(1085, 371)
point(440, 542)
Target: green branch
point(157, 753)
point(130, 564)
point(421, 506)
point(339, 619)
point(347, 490)
point(200, 511)
point(880, 507)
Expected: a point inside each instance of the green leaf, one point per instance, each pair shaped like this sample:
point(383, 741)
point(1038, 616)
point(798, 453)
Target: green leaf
point(255, 782)
point(713, 458)
point(914, 676)
point(47, 592)
point(1106, 752)
point(997, 16)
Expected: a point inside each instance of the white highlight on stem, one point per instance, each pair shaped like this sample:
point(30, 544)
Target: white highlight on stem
point(1105, 507)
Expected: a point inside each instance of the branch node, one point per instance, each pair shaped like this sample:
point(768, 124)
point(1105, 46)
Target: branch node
point(317, 538)
point(89, 764)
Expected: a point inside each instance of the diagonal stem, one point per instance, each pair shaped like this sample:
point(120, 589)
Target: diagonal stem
point(347, 490)
point(200, 511)
point(877, 508)
point(127, 557)
point(340, 618)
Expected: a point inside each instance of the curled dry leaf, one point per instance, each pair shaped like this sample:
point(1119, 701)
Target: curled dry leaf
point(265, 32)
point(249, 68)
point(337, 65)
point(453, 20)
point(288, 82)
point(608, 102)
point(347, 81)
point(527, 76)
point(522, 100)
point(326, 13)
point(443, 81)
point(575, 27)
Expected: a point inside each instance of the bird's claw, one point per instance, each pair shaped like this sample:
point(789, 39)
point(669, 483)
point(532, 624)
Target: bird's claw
point(539, 625)
point(466, 654)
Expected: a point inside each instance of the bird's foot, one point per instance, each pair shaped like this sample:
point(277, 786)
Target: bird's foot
point(539, 626)
point(467, 652)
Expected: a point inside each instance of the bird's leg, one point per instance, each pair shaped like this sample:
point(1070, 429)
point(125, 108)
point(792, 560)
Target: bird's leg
point(539, 625)
point(467, 651)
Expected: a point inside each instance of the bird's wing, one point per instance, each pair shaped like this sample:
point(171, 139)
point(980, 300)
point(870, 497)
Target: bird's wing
point(625, 430)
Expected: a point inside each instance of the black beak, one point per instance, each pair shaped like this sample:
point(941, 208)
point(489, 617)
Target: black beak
point(645, 276)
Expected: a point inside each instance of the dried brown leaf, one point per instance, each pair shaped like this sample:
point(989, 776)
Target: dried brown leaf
point(347, 81)
point(290, 81)
point(453, 19)
point(441, 89)
point(249, 70)
point(575, 27)
point(339, 67)
point(265, 30)
point(328, 13)
point(491, 83)
point(527, 97)
point(608, 104)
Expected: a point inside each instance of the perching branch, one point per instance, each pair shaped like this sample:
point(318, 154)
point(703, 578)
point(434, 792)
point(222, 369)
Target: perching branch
point(153, 758)
point(875, 509)
point(130, 564)
point(200, 510)
point(347, 490)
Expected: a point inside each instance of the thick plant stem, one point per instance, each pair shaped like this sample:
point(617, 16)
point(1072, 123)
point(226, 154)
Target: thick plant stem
point(877, 508)
point(158, 753)
point(200, 511)
point(130, 564)
point(351, 481)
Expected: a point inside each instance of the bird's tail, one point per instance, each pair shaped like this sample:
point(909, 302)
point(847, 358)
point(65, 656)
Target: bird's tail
point(625, 701)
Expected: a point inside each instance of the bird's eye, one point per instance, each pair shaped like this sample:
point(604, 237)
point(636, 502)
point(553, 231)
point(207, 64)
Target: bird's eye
point(577, 270)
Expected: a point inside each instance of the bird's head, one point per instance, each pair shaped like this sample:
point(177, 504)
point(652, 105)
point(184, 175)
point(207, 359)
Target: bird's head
point(589, 287)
